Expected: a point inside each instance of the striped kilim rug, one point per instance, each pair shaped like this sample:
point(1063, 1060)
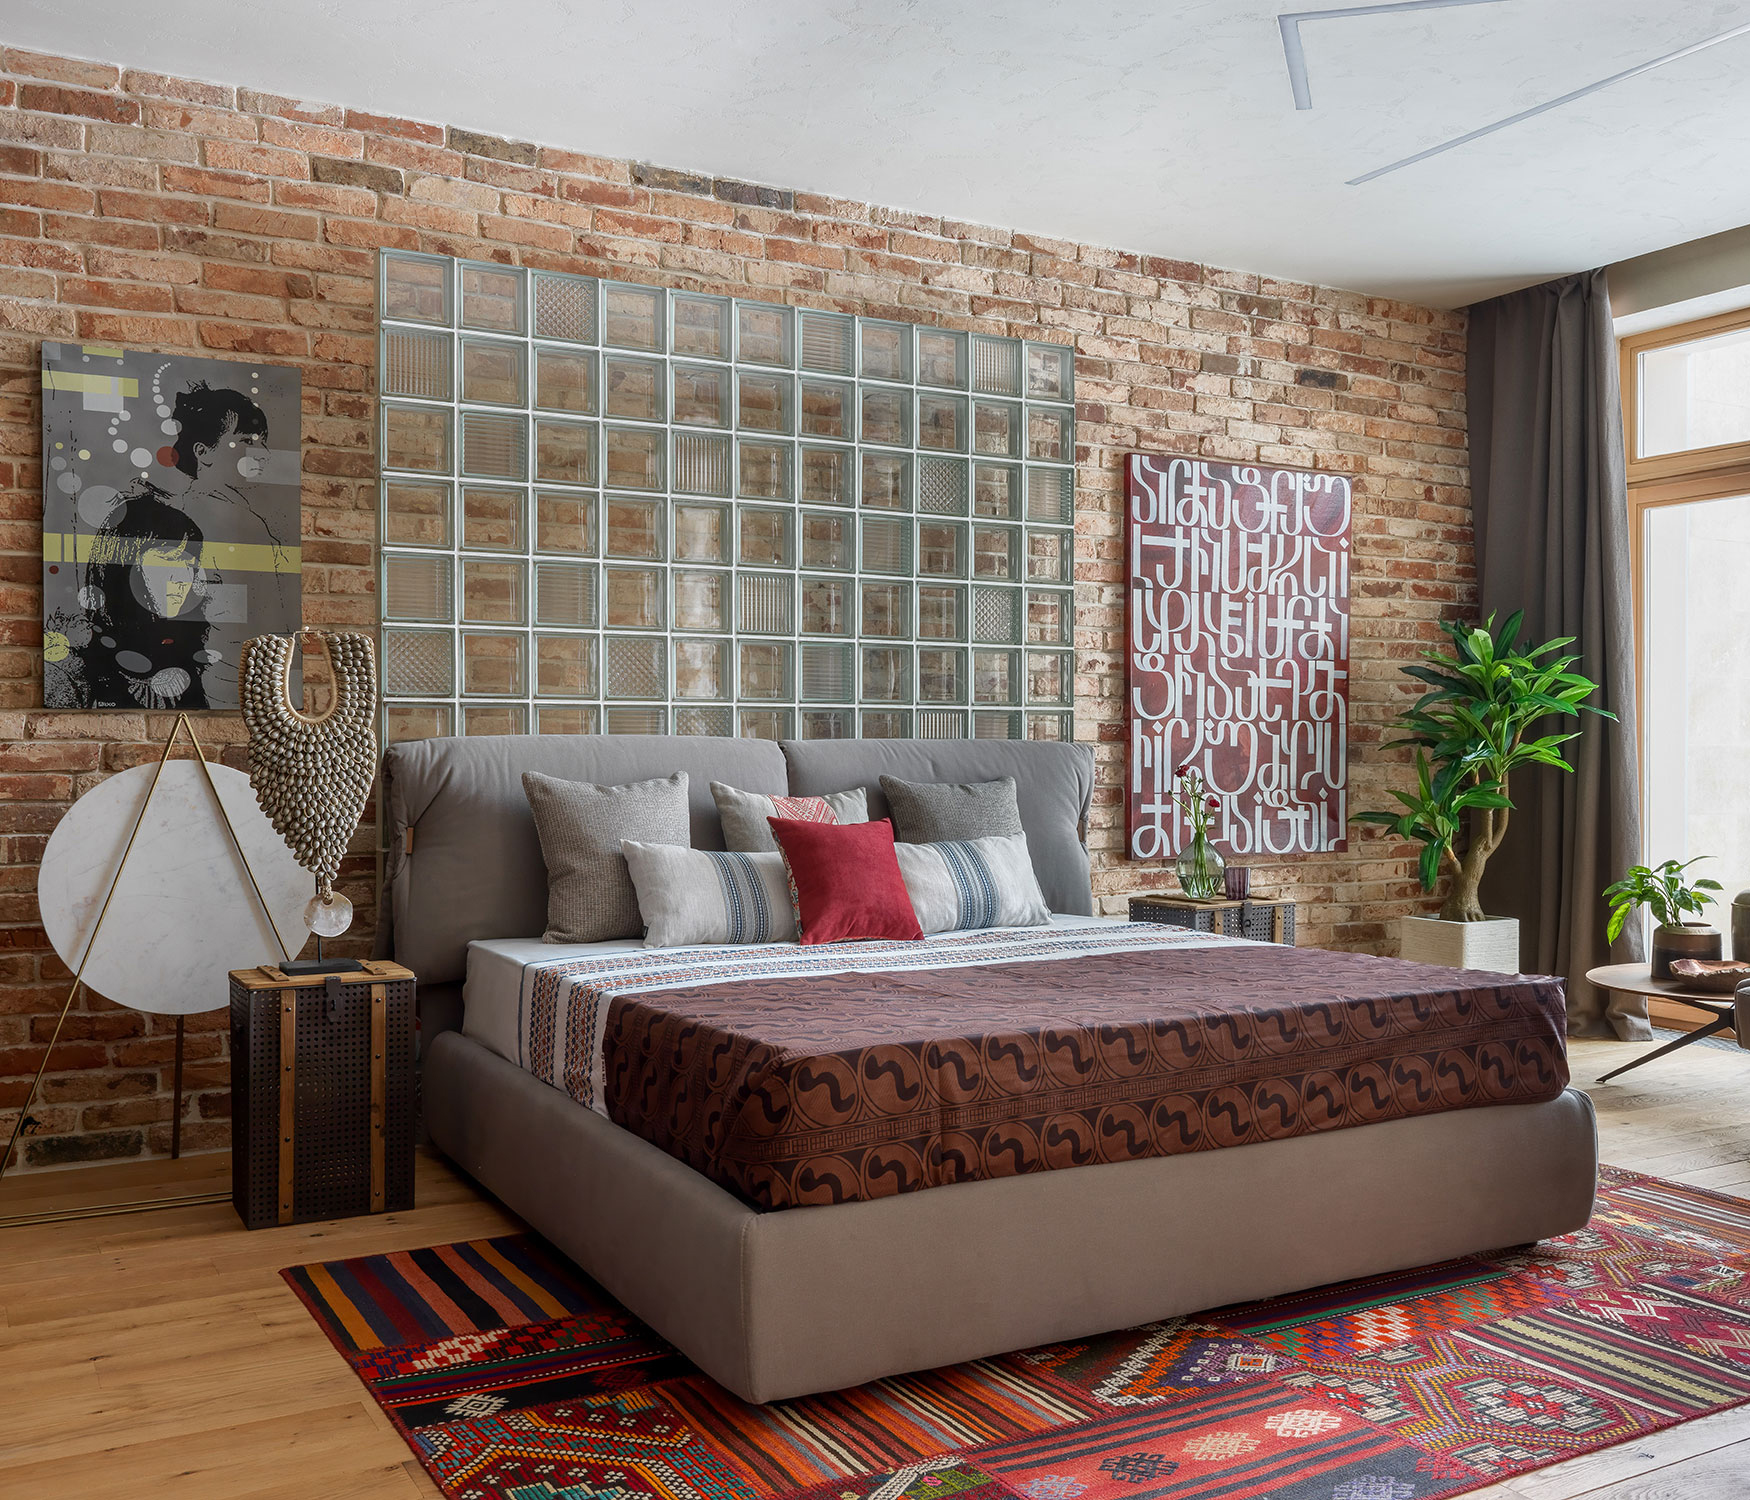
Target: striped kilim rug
point(514, 1376)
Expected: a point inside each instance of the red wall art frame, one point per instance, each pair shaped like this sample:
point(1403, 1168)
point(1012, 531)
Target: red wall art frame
point(1238, 653)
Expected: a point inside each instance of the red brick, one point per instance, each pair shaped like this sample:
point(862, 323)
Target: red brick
point(50, 100)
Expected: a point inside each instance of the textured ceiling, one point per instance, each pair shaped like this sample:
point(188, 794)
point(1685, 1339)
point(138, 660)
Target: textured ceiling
point(1168, 128)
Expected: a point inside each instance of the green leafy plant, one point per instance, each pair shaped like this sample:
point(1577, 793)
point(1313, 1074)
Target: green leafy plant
point(1662, 890)
point(1473, 727)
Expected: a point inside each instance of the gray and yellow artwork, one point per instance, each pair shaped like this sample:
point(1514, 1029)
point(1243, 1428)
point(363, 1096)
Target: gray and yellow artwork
point(170, 524)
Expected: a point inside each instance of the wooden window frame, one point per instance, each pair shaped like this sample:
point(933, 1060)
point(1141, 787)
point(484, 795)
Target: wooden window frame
point(1691, 461)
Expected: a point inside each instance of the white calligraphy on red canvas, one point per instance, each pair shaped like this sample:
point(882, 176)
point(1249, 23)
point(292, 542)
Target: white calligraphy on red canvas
point(1239, 652)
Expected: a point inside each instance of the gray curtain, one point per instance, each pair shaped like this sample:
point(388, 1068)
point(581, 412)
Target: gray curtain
point(1551, 507)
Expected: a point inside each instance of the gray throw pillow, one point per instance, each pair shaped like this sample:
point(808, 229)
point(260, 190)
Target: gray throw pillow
point(744, 814)
point(590, 895)
point(935, 812)
point(709, 896)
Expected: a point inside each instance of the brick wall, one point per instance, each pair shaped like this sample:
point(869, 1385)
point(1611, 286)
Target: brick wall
point(175, 215)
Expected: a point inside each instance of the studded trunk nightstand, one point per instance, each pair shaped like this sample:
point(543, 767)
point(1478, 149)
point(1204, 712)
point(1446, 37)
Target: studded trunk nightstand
point(1262, 921)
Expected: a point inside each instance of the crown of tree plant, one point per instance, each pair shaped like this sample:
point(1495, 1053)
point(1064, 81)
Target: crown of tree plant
point(1471, 729)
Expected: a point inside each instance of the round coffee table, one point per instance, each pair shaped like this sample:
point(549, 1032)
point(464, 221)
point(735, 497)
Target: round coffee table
point(1637, 979)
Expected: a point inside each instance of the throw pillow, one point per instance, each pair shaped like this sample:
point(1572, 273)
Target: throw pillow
point(590, 896)
point(845, 882)
point(967, 883)
point(706, 896)
point(932, 812)
point(744, 814)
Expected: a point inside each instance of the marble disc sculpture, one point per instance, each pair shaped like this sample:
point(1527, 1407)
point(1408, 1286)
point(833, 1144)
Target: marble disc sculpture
point(183, 913)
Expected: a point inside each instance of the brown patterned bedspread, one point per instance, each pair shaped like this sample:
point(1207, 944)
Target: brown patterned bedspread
point(855, 1086)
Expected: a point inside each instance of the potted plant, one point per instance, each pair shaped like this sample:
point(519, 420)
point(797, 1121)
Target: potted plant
point(1664, 891)
point(1200, 868)
point(1473, 727)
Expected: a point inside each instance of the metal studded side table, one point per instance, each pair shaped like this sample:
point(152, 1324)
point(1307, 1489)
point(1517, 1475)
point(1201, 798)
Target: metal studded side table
point(1262, 921)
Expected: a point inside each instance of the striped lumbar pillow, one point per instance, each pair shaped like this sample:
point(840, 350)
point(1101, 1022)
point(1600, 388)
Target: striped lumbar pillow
point(693, 896)
point(973, 883)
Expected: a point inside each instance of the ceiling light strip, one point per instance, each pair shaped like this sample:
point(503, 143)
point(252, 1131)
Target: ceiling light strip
point(1289, 22)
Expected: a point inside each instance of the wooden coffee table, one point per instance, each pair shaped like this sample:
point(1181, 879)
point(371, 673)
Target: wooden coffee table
point(1637, 979)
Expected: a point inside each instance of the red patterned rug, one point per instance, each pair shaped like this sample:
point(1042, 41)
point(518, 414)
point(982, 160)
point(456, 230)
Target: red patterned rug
point(513, 1377)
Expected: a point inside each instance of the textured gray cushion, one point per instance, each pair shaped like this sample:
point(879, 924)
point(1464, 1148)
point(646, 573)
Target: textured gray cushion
point(744, 815)
point(972, 883)
point(590, 895)
point(926, 812)
point(707, 896)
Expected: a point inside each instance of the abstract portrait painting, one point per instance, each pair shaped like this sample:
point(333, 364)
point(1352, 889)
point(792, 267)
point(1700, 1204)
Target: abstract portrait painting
point(170, 523)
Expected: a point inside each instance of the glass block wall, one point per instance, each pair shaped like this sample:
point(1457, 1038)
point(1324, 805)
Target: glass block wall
point(611, 508)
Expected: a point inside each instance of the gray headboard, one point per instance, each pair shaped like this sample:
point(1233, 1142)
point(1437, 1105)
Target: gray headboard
point(464, 862)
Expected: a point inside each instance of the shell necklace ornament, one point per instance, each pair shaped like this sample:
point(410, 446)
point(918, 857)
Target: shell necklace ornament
point(312, 773)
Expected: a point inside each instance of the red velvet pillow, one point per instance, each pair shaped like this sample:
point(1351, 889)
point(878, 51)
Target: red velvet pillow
point(845, 881)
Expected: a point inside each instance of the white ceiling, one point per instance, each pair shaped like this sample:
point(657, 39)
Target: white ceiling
point(1167, 128)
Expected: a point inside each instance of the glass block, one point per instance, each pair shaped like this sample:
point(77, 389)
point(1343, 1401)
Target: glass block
point(419, 664)
point(637, 667)
point(1049, 615)
point(942, 611)
point(632, 316)
point(494, 371)
point(886, 675)
point(417, 438)
point(996, 553)
point(829, 724)
point(826, 606)
point(827, 475)
point(565, 594)
point(766, 469)
point(996, 678)
point(701, 395)
point(494, 593)
point(1048, 372)
point(416, 289)
point(637, 720)
point(701, 326)
point(765, 670)
point(942, 486)
point(941, 724)
point(942, 358)
point(1049, 727)
point(418, 588)
point(496, 446)
point(996, 428)
point(567, 718)
point(826, 341)
point(825, 407)
point(764, 403)
point(492, 297)
point(941, 675)
point(996, 615)
point(887, 609)
point(941, 549)
point(711, 721)
point(887, 481)
point(495, 718)
point(565, 381)
point(989, 725)
point(1048, 677)
point(886, 416)
point(565, 666)
point(996, 365)
point(636, 389)
point(416, 362)
point(886, 724)
point(765, 723)
point(632, 528)
point(416, 513)
point(1048, 556)
point(942, 423)
point(768, 602)
point(829, 673)
point(886, 350)
point(565, 452)
point(701, 600)
point(701, 533)
point(416, 721)
point(701, 669)
point(492, 519)
point(565, 522)
point(996, 491)
point(827, 542)
point(492, 664)
point(1051, 495)
point(701, 463)
point(632, 458)
point(764, 540)
point(565, 307)
point(763, 334)
point(632, 598)
point(886, 545)
point(1050, 433)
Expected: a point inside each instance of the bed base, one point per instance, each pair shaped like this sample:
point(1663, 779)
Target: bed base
point(776, 1305)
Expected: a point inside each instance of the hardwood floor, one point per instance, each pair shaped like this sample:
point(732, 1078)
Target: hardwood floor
point(159, 1354)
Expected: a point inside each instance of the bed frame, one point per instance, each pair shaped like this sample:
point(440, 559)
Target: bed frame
point(782, 1304)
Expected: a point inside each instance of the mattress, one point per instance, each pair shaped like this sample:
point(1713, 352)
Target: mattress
point(796, 1076)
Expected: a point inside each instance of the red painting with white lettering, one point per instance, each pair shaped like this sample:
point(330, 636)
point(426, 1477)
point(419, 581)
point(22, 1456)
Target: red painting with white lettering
point(1238, 659)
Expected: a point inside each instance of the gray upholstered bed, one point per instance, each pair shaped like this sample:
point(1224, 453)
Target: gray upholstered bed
point(777, 1304)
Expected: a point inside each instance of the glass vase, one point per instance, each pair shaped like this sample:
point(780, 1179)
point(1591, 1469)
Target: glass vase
point(1200, 869)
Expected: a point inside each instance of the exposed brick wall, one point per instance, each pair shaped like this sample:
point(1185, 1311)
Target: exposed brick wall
point(175, 215)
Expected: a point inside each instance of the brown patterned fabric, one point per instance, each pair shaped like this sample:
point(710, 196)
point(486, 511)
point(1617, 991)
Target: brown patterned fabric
point(859, 1086)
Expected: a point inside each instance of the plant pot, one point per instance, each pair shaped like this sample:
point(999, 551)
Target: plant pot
point(1687, 940)
point(1491, 944)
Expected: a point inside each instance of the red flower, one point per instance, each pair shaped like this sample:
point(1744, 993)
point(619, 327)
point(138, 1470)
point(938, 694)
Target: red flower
point(1215, 804)
point(1184, 770)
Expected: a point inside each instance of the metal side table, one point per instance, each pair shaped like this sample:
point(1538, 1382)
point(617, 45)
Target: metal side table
point(1637, 979)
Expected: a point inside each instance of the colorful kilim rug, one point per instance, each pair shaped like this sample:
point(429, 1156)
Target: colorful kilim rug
point(513, 1377)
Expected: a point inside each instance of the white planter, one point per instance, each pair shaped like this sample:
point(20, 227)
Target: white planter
point(1491, 944)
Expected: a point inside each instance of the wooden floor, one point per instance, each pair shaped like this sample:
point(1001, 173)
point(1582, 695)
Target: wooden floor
point(158, 1354)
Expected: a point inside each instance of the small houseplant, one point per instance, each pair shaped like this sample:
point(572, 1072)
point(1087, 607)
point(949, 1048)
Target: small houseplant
point(1200, 868)
point(1487, 698)
point(1668, 895)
